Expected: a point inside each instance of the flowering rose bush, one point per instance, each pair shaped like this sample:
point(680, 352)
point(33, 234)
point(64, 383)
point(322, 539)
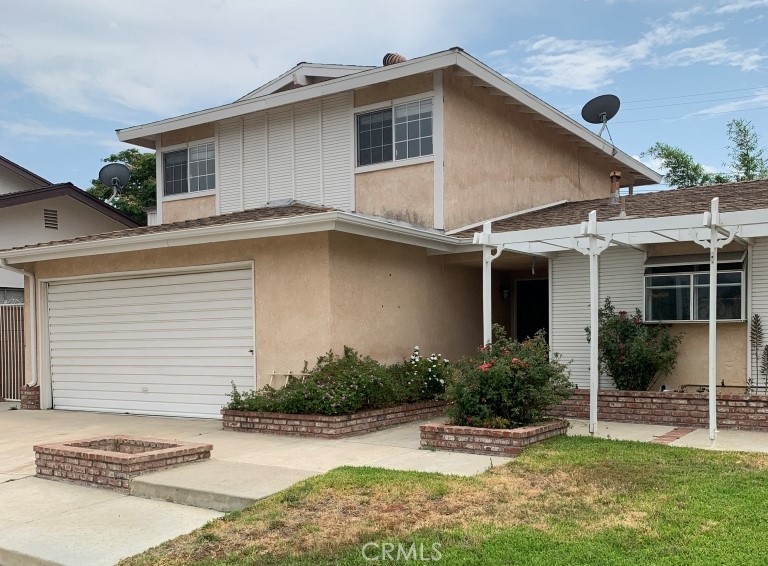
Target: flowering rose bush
point(506, 384)
point(348, 383)
point(632, 352)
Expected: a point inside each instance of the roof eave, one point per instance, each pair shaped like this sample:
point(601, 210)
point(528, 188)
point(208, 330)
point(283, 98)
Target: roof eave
point(323, 221)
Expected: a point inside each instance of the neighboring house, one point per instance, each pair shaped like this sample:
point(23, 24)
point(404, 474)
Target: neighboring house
point(14, 178)
point(334, 205)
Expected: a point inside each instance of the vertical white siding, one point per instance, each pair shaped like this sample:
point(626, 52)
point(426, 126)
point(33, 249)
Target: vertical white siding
point(621, 279)
point(759, 291)
point(570, 314)
point(255, 161)
point(307, 151)
point(338, 150)
point(230, 180)
point(303, 152)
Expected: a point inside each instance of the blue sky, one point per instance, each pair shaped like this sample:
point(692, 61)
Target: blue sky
point(71, 72)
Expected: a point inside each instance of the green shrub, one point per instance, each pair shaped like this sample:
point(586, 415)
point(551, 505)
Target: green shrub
point(506, 384)
point(348, 383)
point(633, 353)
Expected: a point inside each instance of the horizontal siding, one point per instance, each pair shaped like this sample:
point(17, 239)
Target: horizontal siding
point(183, 338)
point(759, 291)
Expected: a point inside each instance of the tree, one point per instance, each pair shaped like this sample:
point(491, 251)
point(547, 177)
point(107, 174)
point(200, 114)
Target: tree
point(139, 193)
point(747, 161)
point(681, 168)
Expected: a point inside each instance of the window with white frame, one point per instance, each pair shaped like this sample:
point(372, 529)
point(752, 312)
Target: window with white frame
point(189, 170)
point(380, 139)
point(681, 292)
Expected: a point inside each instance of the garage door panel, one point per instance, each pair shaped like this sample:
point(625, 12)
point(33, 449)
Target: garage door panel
point(161, 345)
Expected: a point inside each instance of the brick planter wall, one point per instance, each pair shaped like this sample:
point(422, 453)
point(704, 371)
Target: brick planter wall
point(744, 412)
point(502, 442)
point(326, 426)
point(30, 397)
point(111, 462)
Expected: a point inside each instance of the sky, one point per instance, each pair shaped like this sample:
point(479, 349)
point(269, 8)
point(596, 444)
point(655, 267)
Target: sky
point(72, 72)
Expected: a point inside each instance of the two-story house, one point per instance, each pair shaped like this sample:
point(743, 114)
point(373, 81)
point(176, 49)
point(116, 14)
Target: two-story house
point(332, 206)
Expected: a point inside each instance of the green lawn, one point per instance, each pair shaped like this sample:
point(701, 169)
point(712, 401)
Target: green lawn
point(567, 501)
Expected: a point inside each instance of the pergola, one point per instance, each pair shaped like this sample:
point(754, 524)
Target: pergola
point(711, 230)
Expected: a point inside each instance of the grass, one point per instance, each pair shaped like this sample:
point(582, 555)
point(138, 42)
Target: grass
point(569, 500)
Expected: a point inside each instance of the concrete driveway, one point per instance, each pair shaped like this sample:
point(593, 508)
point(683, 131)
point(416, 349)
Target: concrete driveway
point(49, 522)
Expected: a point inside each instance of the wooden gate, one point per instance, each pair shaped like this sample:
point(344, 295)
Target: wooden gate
point(11, 351)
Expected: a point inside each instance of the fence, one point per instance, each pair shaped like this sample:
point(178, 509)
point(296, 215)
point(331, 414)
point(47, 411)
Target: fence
point(11, 351)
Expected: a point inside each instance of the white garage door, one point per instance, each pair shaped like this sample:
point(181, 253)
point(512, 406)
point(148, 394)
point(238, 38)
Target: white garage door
point(155, 345)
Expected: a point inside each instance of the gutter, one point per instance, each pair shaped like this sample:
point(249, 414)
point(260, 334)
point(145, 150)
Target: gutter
point(30, 277)
point(323, 221)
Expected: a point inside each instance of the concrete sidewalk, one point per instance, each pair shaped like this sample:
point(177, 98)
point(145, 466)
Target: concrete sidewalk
point(47, 522)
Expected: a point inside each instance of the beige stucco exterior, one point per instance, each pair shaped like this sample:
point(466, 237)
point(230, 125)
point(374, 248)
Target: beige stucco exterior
point(387, 298)
point(320, 291)
point(693, 355)
point(190, 208)
point(392, 90)
point(402, 193)
point(498, 159)
point(187, 135)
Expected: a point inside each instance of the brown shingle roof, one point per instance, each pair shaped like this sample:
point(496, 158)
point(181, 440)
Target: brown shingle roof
point(253, 215)
point(745, 195)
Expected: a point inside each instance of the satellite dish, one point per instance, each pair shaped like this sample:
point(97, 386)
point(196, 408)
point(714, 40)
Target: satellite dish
point(601, 109)
point(114, 175)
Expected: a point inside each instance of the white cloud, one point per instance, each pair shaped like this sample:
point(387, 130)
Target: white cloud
point(683, 15)
point(714, 53)
point(34, 130)
point(739, 5)
point(760, 99)
point(120, 60)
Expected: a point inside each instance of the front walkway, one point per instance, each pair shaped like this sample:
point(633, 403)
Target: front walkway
point(48, 522)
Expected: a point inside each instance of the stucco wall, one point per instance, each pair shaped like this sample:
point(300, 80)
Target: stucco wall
point(186, 135)
point(402, 193)
point(693, 355)
point(10, 182)
point(387, 298)
point(189, 208)
point(499, 160)
point(390, 90)
point(292, 297)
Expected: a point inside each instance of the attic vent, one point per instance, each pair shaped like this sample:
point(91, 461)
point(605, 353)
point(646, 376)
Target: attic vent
point(392, 58)
point(51, 218)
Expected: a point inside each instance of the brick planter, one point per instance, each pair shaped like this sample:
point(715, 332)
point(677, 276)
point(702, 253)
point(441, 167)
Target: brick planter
point(744, 412)
point(111, 462)
point(325, 426)
point(476, 440)
point(30, 398)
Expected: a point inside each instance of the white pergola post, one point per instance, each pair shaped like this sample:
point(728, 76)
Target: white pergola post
point(596, 244)
point(713, 242)
point(489, 255)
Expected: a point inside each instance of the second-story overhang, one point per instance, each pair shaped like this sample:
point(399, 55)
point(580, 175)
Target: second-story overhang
point(146, 135)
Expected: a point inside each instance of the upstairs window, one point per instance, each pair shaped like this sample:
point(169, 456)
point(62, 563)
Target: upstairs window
point(379, 140)
point(189, 170)
point(681, 292)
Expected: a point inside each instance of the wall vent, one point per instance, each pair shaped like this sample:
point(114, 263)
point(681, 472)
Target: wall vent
point(51, 218)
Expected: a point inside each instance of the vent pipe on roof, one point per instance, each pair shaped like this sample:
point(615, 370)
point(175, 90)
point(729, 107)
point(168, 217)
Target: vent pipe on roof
point(393, 58)
point(615, 186)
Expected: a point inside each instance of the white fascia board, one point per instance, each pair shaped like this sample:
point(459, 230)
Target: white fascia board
point(512, 90)
point(376, 75)
point(307, 70)
point(319, 222)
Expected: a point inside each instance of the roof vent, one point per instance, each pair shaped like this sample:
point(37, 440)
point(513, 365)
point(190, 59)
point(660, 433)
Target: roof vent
point(51, 218)
point(392, 58)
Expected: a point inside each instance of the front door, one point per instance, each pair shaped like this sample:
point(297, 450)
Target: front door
point(531, 307)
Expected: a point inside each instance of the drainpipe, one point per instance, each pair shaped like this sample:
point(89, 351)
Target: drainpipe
point(30, 277)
